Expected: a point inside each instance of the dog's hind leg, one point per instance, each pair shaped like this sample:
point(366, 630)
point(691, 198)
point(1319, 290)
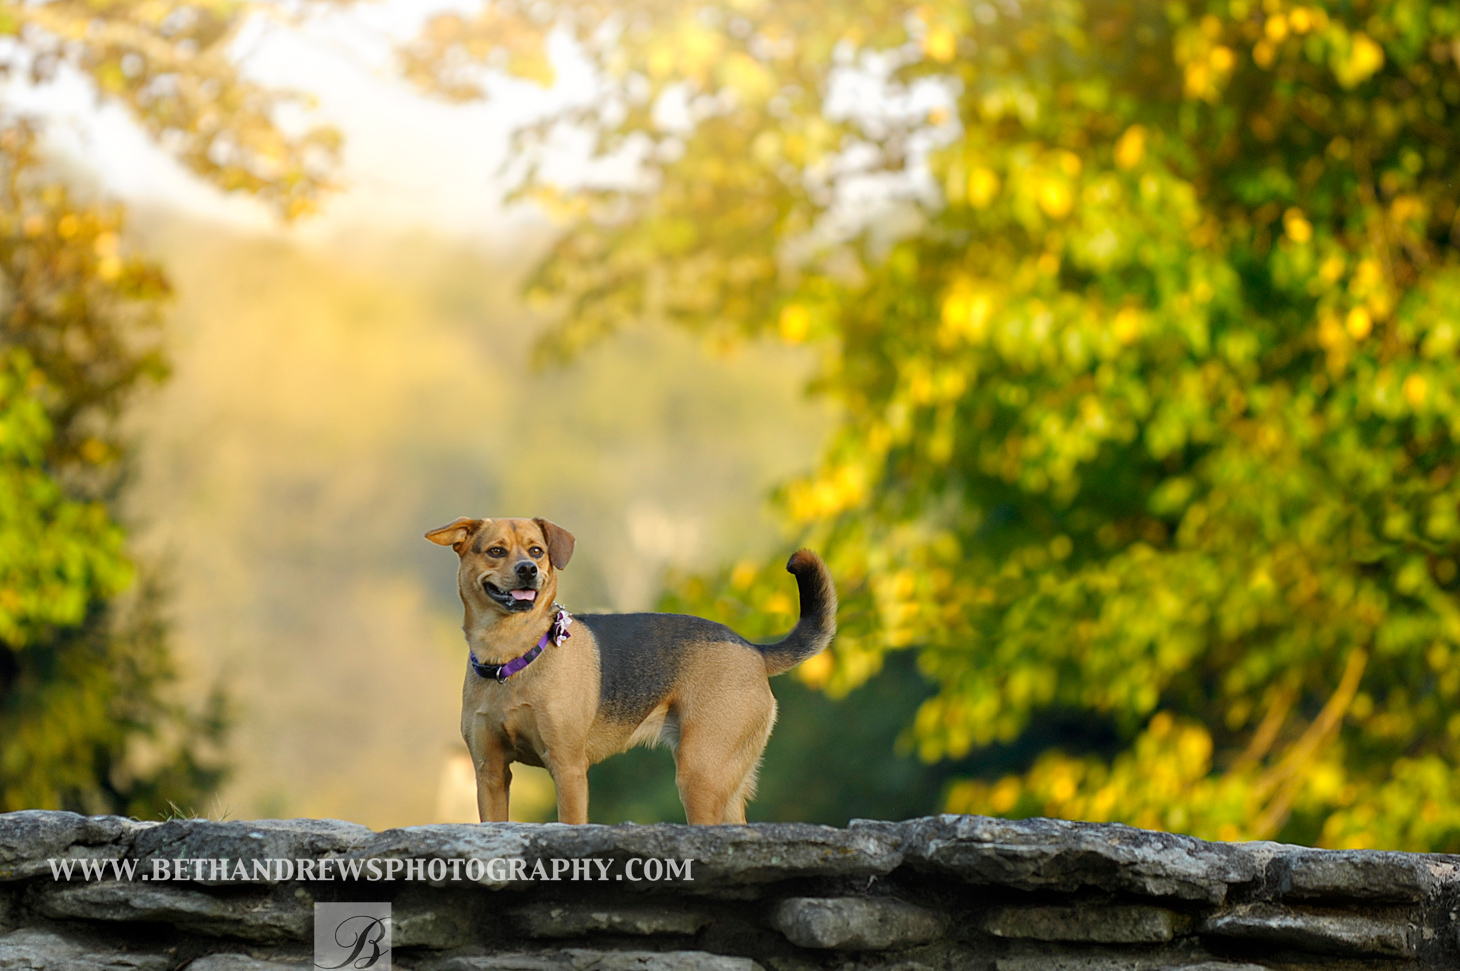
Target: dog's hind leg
point(718, 758)
point(735, 808)
point(704, 786)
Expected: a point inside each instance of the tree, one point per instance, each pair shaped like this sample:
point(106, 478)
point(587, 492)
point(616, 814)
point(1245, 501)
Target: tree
point(1151, 402)
point(85, 721)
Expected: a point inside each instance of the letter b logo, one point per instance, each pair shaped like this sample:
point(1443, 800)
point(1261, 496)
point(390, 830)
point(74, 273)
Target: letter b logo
point(352, 937)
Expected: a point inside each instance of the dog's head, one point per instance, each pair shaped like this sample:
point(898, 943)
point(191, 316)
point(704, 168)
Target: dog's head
point(508, 565)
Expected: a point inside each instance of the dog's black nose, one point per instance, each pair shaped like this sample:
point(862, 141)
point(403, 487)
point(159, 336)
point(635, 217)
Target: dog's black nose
point(527, 570)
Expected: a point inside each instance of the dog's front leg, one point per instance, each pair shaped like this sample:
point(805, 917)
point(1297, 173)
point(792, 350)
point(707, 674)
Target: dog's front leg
point(571, 778)
point(494, 781)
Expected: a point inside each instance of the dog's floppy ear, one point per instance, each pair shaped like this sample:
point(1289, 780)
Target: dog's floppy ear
point(560, 543)
point(456, 533)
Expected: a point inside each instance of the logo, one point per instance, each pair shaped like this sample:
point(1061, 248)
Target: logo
point(352, 936)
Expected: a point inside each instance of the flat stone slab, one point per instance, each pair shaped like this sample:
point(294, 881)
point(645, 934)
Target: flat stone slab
point(266, 918)
point(272, 839)
point(33, 949)
point(856, 923)
point(721, 855)
point(243, 962)
point(727, 855)
point(30, 838)
point(1326, 933)
point(483, 841)
point(1100, 924)
point(550, 920)
point(1043, 959)
point(1054, 854)
point(417, 920)
point(1362, 874)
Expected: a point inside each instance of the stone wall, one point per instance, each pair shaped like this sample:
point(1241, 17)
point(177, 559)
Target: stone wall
point(943, 892)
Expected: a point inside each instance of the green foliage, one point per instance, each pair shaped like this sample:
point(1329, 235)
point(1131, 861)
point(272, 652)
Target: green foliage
point(85, 720)
point(83, 659)
point(54, 551)
point(1151, 407)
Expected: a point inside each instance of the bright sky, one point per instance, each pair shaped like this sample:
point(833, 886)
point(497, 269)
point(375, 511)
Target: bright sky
point(408, 161)
point(411, 161)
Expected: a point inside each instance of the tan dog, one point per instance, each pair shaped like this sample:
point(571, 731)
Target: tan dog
point(616, 681)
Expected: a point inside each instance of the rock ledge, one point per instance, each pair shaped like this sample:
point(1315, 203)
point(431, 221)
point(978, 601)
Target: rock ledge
point(945, 892)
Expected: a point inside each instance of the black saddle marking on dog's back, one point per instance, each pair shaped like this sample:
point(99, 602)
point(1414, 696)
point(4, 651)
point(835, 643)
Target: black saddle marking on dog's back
point(640, 657)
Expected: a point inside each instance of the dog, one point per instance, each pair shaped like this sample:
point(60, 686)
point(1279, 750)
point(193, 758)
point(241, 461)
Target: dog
point(565, 692)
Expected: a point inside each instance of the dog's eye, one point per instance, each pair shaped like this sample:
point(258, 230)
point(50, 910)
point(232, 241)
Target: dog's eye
point(536, 552)
point(496, 551)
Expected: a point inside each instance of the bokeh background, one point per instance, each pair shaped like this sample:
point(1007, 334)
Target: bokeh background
point(325, 403)
point(1105, 349)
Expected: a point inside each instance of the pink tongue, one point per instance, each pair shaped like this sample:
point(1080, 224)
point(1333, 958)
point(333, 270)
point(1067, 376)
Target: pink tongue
point(524, 594)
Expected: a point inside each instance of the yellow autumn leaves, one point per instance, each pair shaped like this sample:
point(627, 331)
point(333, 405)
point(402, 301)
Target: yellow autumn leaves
point(1151, 786)
point(1357, 60)
point(1165, 781)
point(795, 323)
point(1165, 322)
point(1278, 25)
point(1047, 186)
point(1207, 48)
point(1055, 188)
point(1205, 60)
point(983, 185)
point(824, 496)
point(1130, 148)
point(940, 43)
point(965, 316)
point(1347, 315)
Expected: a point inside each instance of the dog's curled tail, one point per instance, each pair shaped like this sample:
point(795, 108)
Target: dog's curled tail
point(817, 625)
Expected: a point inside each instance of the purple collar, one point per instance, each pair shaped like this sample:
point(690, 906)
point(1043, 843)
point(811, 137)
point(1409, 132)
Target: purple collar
point(557, 632)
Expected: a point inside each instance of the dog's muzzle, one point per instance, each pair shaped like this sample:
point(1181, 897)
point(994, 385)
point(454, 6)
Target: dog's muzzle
point(514, 600)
